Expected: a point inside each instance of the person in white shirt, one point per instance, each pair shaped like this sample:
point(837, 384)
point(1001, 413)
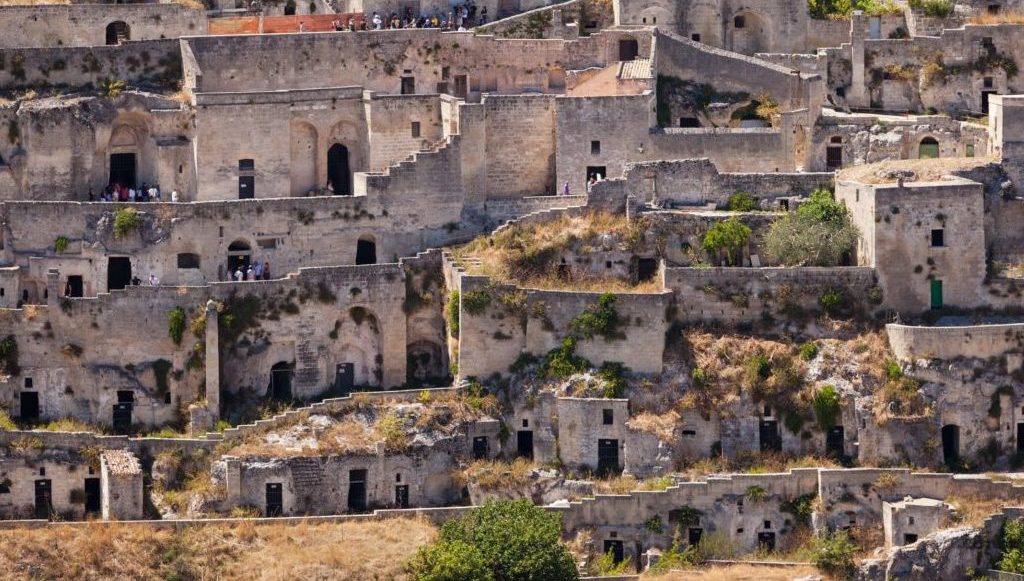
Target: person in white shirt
point(174, 195)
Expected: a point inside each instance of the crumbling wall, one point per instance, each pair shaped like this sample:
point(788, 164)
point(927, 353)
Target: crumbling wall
point(74, 25)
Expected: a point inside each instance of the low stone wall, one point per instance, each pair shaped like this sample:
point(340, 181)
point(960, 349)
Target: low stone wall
point(149, 63)
point(980, 341)
point(508, 209)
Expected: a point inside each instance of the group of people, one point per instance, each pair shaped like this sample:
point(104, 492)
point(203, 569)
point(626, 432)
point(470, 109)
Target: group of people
point(459, 18)
point(119, 193)
point(255, 271)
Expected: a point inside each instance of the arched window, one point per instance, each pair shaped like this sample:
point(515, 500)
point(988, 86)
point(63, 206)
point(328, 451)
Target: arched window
point(928, 149)
point(289, 8)
point(118, 32)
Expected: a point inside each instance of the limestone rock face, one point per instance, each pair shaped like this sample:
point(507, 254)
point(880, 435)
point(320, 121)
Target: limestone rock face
point(542, 487)
point(945, 555)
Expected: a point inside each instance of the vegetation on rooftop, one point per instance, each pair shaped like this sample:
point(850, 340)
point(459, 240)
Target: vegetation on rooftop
point(819, 233)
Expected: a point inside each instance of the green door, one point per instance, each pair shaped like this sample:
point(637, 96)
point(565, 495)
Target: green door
point(936, 294)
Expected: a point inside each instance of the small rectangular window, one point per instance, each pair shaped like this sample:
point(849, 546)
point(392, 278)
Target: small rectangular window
point(445, 71)
point(415, 128)
point(739, 21)
point(988, 82)
point(767, 524)
point(266, 243)
point(938, 237)
point(993, 9)
point(526, 423)
point(246, 165)
point(970, 150)
point(695, 37)
point(595, 147)
point(5, 486)
point(608, 416)
point(28, 383)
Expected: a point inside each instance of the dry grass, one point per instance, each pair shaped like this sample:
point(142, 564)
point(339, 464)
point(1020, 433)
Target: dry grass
point(755, 463)
point(32, 2)
point(973, 510)
point(927, 170)
point(661, 425)
point(1011, 17)
point(363, 550)
point(495, 474)
point(738, 573)
point(530, 255)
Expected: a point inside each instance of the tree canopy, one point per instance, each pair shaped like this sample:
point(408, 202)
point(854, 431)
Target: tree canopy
point(819, 233)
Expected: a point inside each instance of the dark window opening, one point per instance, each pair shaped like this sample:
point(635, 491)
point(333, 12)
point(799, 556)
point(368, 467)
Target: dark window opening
point(938, 237)
point(366, 251)
point(29, 383)
point(695, 37)
point(357, 490)
point(415, 128)
point(689, 122)
point(646, 269)
point(246, 165)
point(595, 147)
point(617, 550)
point(119, 272)
point(596, 172)
point(289, 8)
point(75, 286)
point(909, 538)
point(993, 9)
point(629, 49)
point(122, 169)
point(408, 85)
point(188, 260)
point(607, 417)
point(988, 82)
point(739, 21)
point(280, 387)
point(117, 32)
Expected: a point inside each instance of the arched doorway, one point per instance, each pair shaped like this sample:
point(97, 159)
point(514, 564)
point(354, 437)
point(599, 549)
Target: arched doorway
point(280, 387)
point(366, 250)
point(338, 174)
point(117, 32)
point(289, 8)
point(928, 149)
point(124, 143)
point(239, 255)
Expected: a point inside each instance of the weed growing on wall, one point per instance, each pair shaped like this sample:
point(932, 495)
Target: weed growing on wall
point(126, 220)
point(600, 319)
point(176, 324)
point(9, 356)
point(60, 244)
point(827, 406)
point(451, 312)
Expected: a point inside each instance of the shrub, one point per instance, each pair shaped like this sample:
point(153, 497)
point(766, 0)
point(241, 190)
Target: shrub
point(611, 373)
point(515, 539)
point(392, 430)
point(475, 301)
point(808, 351)
point(934, 8)
point(450, 561)
point(755, 370)
point(605, 565)
point(741, 202)
point(60, 244)
point(827, 406)
point(452, 313)
point(833, 554)
point(72, 350)
point(801, 507)
point(126, 220)
point(832, 301)
point(9, 356)
point(819, 233)
point(654, 524)
point(176, 324)
point(726, 239)
point(1012, 559)
point(756, 493)
point(112, 87)
point(599, 319)
point(563, 362)
point(893, 371)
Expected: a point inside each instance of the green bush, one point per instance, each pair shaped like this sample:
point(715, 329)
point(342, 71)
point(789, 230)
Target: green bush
point(598, 319)
point(475, 301)
point(832, 301)
point(726, 239)
point(514, 540)
point(452, 312)
point(801, 507)
point(819, 233)
point(834, 554)
point(933, 8)
point(9, 356)
point(808, 351)
point(611, 373)
point(893, 371)
point(741, 202)
point(827, 406)
point(1012, 559)
point(176, 324)
point(60, 244)
point(450, 561)
point(126, 220)
point(563, 362)
point(755, 370)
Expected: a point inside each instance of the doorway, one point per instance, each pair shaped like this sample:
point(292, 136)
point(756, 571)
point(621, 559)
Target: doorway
point(1020, 438)
point(936, 294)
point(93, 504)
point(951, 445)
point(275, 499)
point(984, 100)
point(408, 85)
point(834, 442)
point(30, 406)
point(366, 250)
point(766, 541)
point(338, 170)
point(616, 548)
point(356, 490)
point(928, 149)
point(607, 456)
point(75, 287)
point(402, 496)
point(524, 444)
point(117, 32)
point(122, 169)
point(480, 448)
point(833, 157)
point(629, 49)
point(280, 387)
point(770, 438)
point(239, 255)
point(461, 86)
point(646, 268)
point(119, 272)
point(289, 8)
point(122, 418)
point(44, 499)
point(344, 378)
point(596, 172)
point(693, 535)
point(246, 187)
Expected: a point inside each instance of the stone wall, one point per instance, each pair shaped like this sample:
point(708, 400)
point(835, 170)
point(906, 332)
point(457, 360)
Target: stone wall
point(582, 423)
point(155, 63)
point(64, 473)
point(979, 341)
point(74, 25)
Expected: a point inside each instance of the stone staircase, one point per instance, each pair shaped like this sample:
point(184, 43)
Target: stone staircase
point(307, 368)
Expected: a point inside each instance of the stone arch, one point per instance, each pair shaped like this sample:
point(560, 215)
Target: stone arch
point(655, 16)
point(366, 249)
point(339, 170)
point(303, 155)
point(349, 135)
point(282, 375)
point(117, 32)
point(129, 151)
point(928, 148)
point(239, 255)
point(290, 8)
point(751, 32)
